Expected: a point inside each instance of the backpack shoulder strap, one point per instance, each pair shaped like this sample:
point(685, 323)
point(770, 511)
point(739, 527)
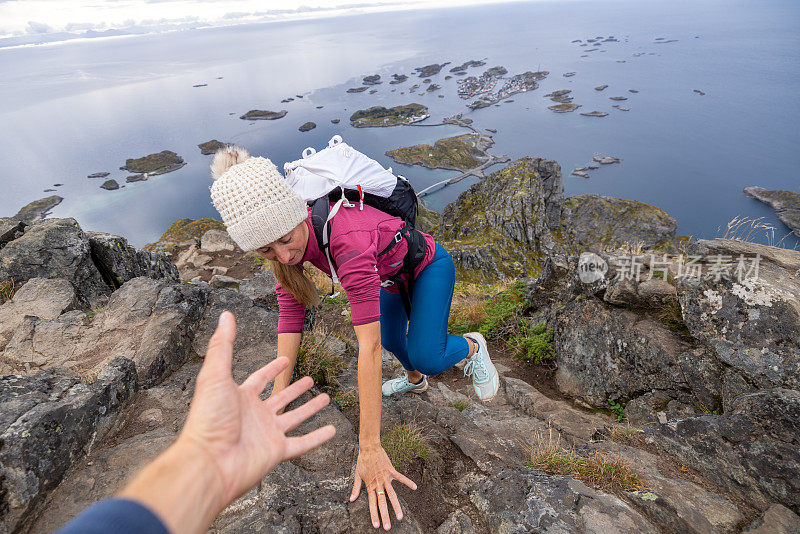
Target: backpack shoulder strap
point(321, 215)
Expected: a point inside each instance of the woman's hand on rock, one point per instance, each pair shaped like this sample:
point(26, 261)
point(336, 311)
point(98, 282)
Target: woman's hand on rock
point(375, 470)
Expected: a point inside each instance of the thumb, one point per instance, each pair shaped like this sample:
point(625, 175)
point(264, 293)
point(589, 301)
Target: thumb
point(220, 348)
point(356, 488)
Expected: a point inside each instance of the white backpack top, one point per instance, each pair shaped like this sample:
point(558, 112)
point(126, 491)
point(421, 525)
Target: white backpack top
point(337, 165)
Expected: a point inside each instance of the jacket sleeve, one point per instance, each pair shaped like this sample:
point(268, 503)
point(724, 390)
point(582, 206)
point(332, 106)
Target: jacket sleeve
point(121, 516)
point(290, 312)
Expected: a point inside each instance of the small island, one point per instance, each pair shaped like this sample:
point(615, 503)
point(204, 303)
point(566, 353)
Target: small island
point(110, 185)
point(461, 153)
point(136, 178)
point(563, 108)
point(605, 160)
point(568, 74)
point(209, 147)
point(430, 70)
point(379, 116)
point(595, 114)
point(335, 121)
point(374, 79)
point(357, 89)
point(466, 65)
point(561, 96)
point(261, 115)
point(484, 86)
point(785, 203)
point(432, 87)
point(153, 164)
point(398, 78)
point(285, 100)
point(99, 175)
point(601, 87)
point(307, 126)
point(38, 209)
point(618, 97)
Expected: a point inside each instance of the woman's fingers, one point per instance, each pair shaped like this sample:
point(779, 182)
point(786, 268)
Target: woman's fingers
point(373, 507)
point(398, 510)
point(259, 380)
point(302, 444)
point(289, 394)
point(400, 477)
point(356, 488)
point(383, 508)
point(291, 420)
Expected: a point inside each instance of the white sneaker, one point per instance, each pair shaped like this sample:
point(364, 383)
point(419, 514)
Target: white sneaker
point(485, 379)
point(403, 385)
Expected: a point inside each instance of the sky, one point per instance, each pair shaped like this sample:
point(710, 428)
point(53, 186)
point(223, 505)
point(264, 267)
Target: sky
point(39, 21)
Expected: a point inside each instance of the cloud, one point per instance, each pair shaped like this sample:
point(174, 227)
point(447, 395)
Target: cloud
point(38, 27)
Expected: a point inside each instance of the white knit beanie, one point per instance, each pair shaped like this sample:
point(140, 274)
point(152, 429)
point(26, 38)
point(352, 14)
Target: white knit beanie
point(256, 203)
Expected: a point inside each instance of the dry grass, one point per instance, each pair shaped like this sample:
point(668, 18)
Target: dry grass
point(595, 470)
point(620, 433)
point(404, 444)
point(7, 289)
point(746, 228)
point(346, 398)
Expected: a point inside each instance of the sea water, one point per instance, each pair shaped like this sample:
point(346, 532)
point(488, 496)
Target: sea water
point(73, 109)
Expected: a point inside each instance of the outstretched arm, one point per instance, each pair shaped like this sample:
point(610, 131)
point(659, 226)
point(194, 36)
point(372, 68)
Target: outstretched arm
point(373, 466)
point(231, 439)
point(288, 347)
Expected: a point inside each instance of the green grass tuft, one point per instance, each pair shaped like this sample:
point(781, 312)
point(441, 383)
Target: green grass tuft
point(404, 444)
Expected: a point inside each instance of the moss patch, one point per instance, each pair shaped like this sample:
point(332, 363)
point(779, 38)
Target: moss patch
point(404, 444)
point(184, 229)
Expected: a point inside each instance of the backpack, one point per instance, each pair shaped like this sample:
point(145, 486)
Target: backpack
point(343, 175)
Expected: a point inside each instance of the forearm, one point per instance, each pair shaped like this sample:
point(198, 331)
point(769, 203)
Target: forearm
point(369, 384)
point(288, 347)
point(182, 487)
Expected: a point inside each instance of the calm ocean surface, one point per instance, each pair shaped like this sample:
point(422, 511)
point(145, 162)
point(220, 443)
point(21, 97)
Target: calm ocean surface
point(70, 110)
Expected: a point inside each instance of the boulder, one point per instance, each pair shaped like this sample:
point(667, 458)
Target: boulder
point(216, 241)
point(594, 222)
point(48, 422)
point(221, 281)
point(45, 298)
point(503, 224)
point(148, 321)
point(55, 248)
point(520, 501)
point(749, 451)
point(10, 229)
point(776, 520)
point(261, 289)
point(606, 354)
point(749, 323)
point(119, 262)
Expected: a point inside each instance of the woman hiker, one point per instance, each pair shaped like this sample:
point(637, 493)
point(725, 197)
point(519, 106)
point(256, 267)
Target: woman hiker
point(263, 213)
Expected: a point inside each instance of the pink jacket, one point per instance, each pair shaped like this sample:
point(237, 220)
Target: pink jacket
point(356, 239)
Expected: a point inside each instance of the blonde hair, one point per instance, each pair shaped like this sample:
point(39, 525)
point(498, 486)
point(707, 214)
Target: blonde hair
point(294, 280)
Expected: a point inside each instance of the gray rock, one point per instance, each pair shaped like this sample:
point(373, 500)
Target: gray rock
point(220, 281)
point(605, 353)
point(40, 297)
point(529, 501)
point(751, 326)
point(119, 262)
point(55, 248)
point(749, 451)
point(10, 229)
point(55, 419)
point(149, 321)
point(261, 289)
point(776, 520)
point(216, 241)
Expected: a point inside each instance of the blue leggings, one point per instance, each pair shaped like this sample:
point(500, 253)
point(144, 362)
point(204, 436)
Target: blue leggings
point(427, 348)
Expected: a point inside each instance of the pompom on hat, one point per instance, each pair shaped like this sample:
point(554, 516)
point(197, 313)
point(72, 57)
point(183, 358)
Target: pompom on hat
point(256, 203)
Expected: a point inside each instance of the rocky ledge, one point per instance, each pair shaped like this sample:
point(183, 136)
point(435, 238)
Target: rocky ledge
point(785, 203)
point(379, 116)
point(462, 152)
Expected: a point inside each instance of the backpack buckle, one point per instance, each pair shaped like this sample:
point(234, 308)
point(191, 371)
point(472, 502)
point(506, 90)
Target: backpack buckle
point(387, 283)
point(398, 237)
